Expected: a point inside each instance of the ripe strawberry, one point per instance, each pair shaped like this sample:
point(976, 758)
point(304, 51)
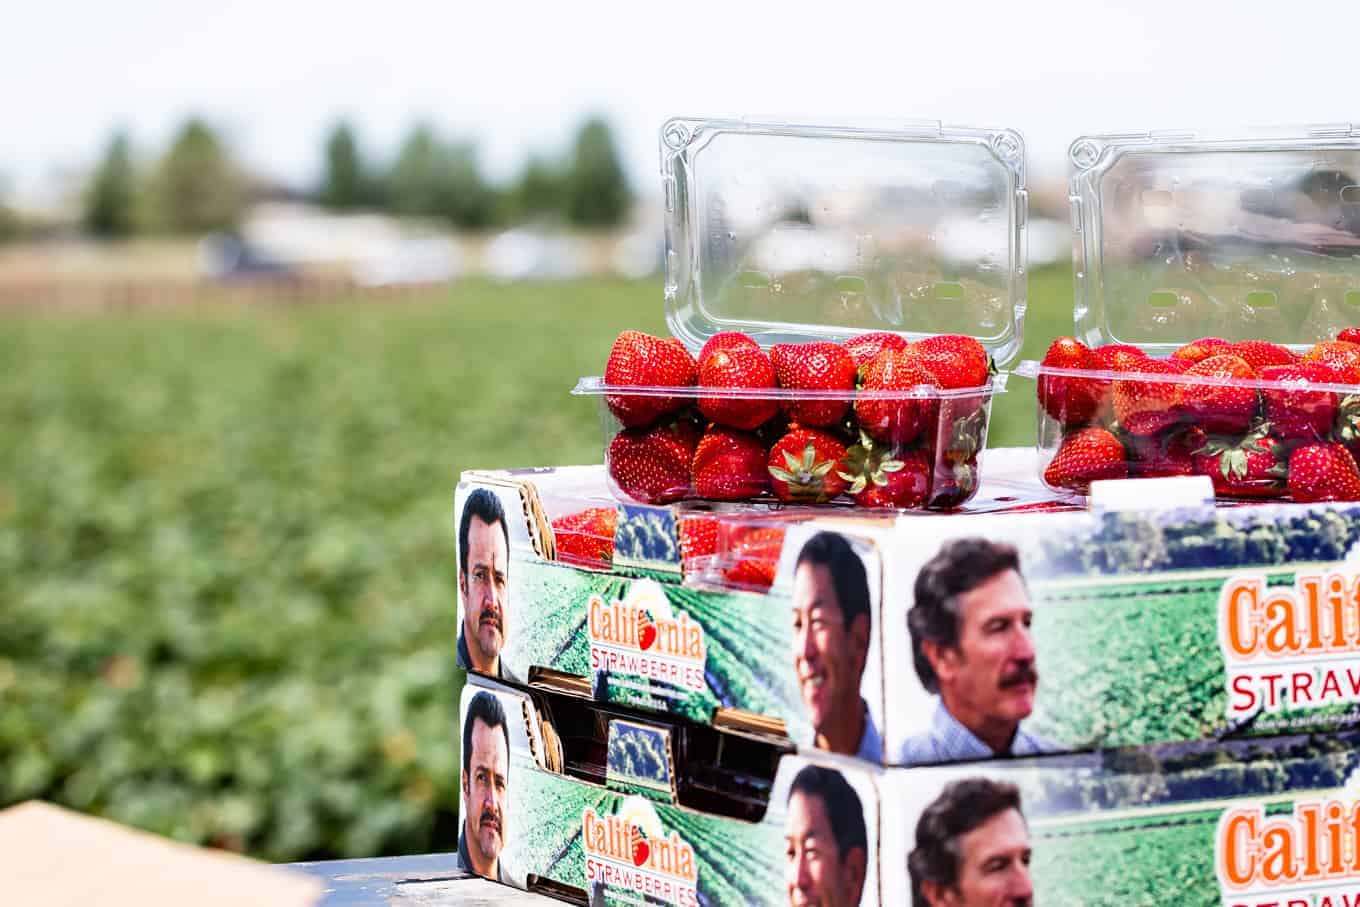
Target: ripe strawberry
point(729, 465)
point(1119, 357)
point(646, 630)
point(896, 419)
point(1201, 349)
point(1221, 405)
point(752, 556)
point(1343, 358)
point(879, 478)
point(738, 367)
point(1349, 335)
point(1258, 353)
point(652, 465)
point(820, 366)
point(954, 359)
point(641, 360)
point(641, 849)
point(1250, 467)
point(1145, 407)
point(864, 348)
point(1299, 413)
point(1070, 400)
point(1086, 456)
point(803, 466)
point(586, 538)
point(1323, 471)
point(698, 542)
point(1168, 454)
point(724, 340)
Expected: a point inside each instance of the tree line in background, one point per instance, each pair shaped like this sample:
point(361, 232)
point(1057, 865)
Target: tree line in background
point(196, 186)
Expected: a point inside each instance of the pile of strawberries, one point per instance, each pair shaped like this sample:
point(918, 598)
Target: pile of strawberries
point(796, 422)
point(1252, 420)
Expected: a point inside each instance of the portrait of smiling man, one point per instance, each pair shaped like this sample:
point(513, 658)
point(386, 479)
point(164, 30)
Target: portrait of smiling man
point(826, 843)
point(486, 786)
point(483, 581)
point(972, 849)
point(832, 624)
point(971, 645)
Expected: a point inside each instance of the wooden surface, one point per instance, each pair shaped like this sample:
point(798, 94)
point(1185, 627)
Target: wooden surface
point(432, 880)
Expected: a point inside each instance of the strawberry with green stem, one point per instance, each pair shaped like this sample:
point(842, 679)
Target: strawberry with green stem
point(1248, 467)
point(803, 464)
point(878, 478)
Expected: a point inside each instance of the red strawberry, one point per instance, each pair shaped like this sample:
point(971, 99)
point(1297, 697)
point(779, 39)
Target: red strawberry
point(820, 366)
point(1323, 471)
point(641, 360)
point(1118, 357)
point(1303, 414)
point(896, 419)
point(646, 631)
point(803, 466)
point(1086, 456)
point(954, 483)
point(864, 348)
point(698, 541)
point(1222, 405)
point(1151, 456)
point(1258, 353)
point(729, 465)
point(1343, 358)
point(1349, 335)
point(1145, 407)
point(738, 367)
point(753, 556)
point(880, 478)
point(1250, 467)
point(1072, 401)
point(955, 360)
point(724, 340)
point(653, 465)
point(1201, 349)
point(641, 849)
point(586, 538)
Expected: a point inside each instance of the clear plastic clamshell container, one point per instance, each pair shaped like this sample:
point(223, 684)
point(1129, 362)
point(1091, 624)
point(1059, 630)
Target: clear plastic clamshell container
point(1189, 247)
point(796, 234)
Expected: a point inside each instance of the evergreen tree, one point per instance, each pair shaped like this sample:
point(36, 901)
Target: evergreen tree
point(111, 197)
point(414, 182)
point(196, 187)
point(434, 179)
point(539, 192)
point(596, 189)
point(344, 186)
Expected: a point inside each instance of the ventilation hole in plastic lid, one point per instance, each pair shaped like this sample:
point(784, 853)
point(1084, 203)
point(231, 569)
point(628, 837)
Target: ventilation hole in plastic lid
point(1352, 298)
point(1261, 299)
point(948, 292)
point(756, 280)
point(1156, 198)
point(1351, 195)
point(850, 284)
point(1257, 200)
point(1162, 299)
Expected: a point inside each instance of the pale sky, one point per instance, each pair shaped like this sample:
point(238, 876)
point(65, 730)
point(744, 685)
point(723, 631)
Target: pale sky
point(519, 76)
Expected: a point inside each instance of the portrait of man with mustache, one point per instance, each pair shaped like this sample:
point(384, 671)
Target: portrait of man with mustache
point(486, 785)
point(483, 581)
point(972, 848)
point(971, 644)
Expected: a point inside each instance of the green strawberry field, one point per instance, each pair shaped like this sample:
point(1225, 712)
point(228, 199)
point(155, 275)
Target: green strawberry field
point(227, 552)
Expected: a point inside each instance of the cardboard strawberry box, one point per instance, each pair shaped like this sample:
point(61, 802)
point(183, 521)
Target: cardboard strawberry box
point(604, 807)
point(927, 639)
point(840, 300)
point(1216, 294)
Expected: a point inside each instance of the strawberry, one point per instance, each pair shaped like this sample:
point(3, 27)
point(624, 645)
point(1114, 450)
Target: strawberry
point(878, 478)
point(641, 360)
point(646, 631)
point(1168, 454)
point(954, 483)
point(653, 465)
point(1072, 401)
point(955, 360)
point(823, 366)
point(1349, 335)
point(1118, 357)
point(729, 465)
point(1250, 467)
point(586, 538)
point(1146, 407)
point(1323, 471)
point(1220, 405)
point(896, 419)
point(698, 542)
point(752, 556)
point(1201, 349)
point(641, 849)
point(803, 466)
point(1343, 358)
point(724, 340)
point(1302, 414)
point(864, 348)
point(740, 367)
point(1086, 456)
point(1258, 354)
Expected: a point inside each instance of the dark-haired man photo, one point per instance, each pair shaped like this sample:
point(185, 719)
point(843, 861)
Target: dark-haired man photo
point(826, 845)
point(483, 578)
point(971, 644)
point(972, 848)
point(486, 785)
point(832, 624)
